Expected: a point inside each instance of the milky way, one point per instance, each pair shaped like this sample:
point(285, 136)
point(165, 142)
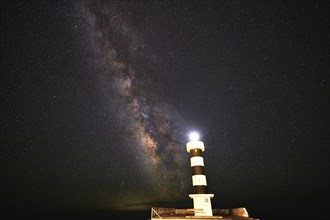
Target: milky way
point(152, 126)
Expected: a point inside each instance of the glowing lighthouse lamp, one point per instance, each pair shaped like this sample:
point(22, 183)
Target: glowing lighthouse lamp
point(201, 199)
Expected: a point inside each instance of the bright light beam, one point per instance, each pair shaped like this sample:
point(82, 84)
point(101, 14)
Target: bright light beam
point(194, 136)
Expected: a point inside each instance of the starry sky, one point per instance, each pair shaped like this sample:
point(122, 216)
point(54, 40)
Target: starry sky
point(98, 99)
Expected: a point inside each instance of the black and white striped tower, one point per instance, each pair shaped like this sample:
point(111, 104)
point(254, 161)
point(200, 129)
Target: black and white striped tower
point(201, 199)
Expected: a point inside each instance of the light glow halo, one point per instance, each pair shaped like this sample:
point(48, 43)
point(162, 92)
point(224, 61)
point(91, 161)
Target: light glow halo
point(194, 136)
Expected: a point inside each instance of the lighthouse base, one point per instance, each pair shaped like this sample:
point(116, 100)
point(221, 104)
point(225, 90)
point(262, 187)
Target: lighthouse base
point(202, 204)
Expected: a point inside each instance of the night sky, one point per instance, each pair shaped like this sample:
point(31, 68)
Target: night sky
point(98, 99)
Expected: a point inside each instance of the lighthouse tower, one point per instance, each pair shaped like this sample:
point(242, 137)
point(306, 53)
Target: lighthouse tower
point(201, 199)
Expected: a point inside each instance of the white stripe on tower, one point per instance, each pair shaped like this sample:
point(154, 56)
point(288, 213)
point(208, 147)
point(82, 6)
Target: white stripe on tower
point(199, 180)
point(197, 161)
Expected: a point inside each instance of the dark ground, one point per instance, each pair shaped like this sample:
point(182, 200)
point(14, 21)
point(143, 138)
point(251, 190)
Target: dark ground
point(257, 213)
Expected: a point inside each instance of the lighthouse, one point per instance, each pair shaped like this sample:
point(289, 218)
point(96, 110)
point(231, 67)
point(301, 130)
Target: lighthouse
point(200, 196)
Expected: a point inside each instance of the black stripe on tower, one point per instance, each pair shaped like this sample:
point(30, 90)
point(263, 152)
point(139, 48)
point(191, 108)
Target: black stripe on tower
point(196, 152)
point(200, 190)
point(197, 170)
